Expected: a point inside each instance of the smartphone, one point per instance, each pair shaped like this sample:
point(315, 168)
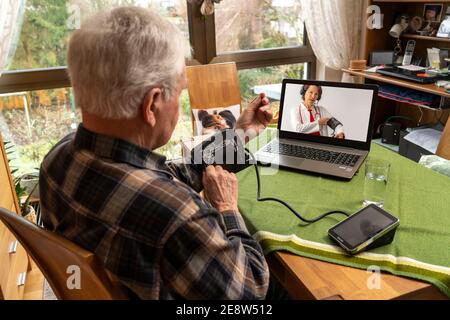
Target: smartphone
point(364, 228)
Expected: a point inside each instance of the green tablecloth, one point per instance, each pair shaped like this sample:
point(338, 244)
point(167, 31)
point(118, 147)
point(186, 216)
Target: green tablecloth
point(419, 197)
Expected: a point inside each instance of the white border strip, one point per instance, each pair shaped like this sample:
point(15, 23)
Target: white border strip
point(265, 235)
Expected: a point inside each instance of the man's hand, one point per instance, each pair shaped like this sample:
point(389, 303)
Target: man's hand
point(340, 135)
point(256, 116)
point(221, 188)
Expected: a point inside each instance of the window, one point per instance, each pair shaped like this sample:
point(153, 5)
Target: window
point(34, 121)
point(47, 25)
point(246, 25)
point(268, 80)
point(172, 150)
point(36, 108)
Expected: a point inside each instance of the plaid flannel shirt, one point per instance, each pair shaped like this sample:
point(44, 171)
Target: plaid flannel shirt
point(145, 221)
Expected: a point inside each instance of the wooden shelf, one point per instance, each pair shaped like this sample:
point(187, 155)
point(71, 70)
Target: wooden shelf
point(380, 40)
point(429, 88)
point(419, 37)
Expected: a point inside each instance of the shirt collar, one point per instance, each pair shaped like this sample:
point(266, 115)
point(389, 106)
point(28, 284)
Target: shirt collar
point(303, 106)
point(118, 150)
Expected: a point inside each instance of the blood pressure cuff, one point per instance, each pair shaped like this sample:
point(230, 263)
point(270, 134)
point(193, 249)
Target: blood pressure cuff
point(224, 148)
point(333, 123)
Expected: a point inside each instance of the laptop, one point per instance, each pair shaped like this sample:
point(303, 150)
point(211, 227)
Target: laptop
point(339, 145)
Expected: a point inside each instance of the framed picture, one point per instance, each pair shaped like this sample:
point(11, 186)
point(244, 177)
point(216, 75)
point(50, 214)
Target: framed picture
point(432, 12)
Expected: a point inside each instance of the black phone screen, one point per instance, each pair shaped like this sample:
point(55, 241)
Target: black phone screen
point(362, 226)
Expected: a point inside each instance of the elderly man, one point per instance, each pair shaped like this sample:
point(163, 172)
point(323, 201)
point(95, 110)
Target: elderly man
point(105, 189)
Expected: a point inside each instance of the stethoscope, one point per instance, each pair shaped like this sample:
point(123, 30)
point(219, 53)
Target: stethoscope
point(316, 110)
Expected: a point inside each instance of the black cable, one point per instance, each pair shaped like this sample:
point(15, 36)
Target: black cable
point(258, 197)
point(395, 117)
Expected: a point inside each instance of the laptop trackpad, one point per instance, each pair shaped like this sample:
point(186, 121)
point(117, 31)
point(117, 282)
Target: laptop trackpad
point(276, 159)
point(290, 162)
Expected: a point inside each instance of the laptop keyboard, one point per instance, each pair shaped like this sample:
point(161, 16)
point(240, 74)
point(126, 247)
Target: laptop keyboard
point(339, 158)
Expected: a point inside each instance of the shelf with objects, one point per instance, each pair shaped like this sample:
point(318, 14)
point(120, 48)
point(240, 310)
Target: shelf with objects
point(398, 60)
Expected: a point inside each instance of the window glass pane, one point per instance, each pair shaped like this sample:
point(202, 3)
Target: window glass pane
point(33, 122)
point(257, 24)
point(173, 149)
point(47, 25)
point(268, 80)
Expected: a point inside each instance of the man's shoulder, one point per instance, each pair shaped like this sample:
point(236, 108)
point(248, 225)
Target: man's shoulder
point(117, 192)
point(60, 146)
point(88, 171)
point(56, 161)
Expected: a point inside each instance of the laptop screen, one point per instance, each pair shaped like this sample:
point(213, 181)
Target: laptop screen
point(327, 111)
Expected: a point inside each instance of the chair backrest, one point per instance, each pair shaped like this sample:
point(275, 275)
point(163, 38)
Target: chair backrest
point(213, 86)
point(59, 259)
point(443, 149)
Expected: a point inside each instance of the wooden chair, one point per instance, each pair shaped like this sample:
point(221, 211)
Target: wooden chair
point(54, 254)
point(213, 86)
point(443, 149)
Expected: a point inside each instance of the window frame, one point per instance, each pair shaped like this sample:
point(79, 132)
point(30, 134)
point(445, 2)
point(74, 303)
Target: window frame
point(202, 34)
point(203, 41)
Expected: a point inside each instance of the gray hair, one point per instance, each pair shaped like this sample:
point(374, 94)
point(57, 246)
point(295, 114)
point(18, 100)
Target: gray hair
point(119, 55)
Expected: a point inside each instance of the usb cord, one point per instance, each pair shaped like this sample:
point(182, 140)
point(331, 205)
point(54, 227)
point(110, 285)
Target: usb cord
point(258, 197)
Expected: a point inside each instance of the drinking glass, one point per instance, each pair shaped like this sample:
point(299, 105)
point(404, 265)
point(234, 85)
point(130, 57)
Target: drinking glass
point(375, 181)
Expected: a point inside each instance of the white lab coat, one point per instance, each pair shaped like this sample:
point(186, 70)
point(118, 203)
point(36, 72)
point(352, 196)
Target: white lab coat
point(298, 120)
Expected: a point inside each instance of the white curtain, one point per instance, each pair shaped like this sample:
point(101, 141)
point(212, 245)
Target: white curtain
point(334, 29)
point(11, 14)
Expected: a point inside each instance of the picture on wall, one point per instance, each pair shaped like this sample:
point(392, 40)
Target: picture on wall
point(432, 12)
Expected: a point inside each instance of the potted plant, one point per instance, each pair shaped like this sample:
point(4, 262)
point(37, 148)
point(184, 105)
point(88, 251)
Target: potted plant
point(22, 184)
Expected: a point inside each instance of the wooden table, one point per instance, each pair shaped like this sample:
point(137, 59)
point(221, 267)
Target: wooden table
point(311, 279)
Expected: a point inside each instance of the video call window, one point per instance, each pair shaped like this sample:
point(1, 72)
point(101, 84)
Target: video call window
point(339, 113)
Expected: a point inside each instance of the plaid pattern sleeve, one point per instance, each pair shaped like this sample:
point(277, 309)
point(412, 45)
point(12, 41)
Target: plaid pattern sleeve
point(215, 261)
point(145, 222)
point(186, 173)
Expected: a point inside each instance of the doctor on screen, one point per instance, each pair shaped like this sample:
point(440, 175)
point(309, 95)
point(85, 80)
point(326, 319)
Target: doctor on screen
point(313, 119)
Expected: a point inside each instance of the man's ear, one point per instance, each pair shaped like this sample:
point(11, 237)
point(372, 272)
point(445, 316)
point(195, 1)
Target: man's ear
point(151, 106)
